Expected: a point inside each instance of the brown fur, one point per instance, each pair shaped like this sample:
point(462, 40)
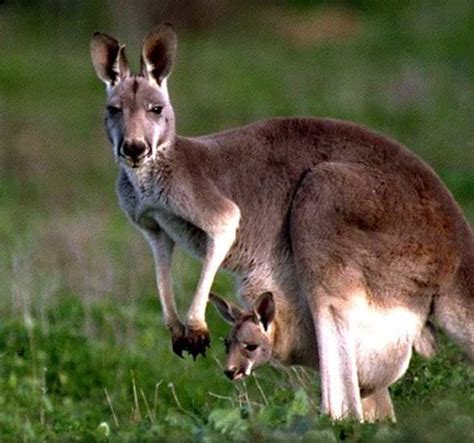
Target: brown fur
point(344, 226)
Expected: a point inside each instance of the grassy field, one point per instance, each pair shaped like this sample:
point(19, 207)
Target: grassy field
point(84, 354)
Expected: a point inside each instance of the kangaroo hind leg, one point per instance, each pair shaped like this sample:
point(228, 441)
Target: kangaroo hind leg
point(340, 397)
point(328, 268)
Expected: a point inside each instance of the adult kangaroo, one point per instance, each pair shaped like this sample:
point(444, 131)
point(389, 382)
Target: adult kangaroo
point(328, 216)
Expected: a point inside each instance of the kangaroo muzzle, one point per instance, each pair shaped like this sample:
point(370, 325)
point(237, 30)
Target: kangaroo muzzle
point(134, 151)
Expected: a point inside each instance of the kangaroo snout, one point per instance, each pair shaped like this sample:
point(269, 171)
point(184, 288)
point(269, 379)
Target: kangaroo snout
point(134, 150)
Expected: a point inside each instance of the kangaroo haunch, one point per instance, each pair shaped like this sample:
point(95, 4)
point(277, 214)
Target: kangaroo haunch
point(356, 238)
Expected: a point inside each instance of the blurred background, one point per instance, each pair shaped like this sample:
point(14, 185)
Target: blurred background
point(77, 295)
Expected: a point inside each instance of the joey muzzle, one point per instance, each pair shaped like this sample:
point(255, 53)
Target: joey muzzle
point(238, 371)
point(234, 373)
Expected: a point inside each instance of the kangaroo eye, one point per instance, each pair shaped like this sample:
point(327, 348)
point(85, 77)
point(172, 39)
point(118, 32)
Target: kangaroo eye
point(156, 109)
point(250, 347)
point(113, 110)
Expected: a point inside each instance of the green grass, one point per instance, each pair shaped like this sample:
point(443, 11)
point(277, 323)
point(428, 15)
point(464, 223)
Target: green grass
point(84, 353)
point(77, 370)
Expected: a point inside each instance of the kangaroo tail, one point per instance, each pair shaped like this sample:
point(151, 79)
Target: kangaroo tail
point(454, 309)
point(426, 344)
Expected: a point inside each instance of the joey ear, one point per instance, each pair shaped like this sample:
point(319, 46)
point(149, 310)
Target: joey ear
point(229, 312)
point(158, 53)
point(264, 309)
point(108, 57)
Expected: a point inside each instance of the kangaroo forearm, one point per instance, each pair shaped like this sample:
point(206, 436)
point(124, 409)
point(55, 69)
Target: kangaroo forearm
point(217, 249)
point(162, 247)
point(218, 217)
point(165, 291)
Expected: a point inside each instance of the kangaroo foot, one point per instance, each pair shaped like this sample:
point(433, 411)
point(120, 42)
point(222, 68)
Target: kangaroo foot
point(197, 340)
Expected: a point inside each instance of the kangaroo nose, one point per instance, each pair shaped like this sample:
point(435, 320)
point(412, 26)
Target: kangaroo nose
point(134, 149)
point(230, 372)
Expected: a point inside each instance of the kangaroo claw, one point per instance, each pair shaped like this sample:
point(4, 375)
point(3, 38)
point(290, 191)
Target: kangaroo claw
point(179, 343)
point(193, 341)
point(197, 342)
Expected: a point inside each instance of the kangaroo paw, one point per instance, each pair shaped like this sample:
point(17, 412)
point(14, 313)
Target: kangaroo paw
point(179, 341)
point(197, 341)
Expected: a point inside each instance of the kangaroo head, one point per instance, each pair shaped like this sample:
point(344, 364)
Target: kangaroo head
point(250, 342)
point(139, 117)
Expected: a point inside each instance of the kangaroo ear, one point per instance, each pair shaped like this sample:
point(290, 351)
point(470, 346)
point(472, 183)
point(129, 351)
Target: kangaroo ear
point(264, 309)
point(229, 312)
point(158, 54)
point(108, 57)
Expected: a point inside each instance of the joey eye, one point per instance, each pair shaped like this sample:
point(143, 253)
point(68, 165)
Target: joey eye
point(113, 110)
point(250, 347)
point(156, 109)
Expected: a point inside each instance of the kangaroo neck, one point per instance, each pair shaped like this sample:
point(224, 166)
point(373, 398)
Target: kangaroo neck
point(153, 176)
